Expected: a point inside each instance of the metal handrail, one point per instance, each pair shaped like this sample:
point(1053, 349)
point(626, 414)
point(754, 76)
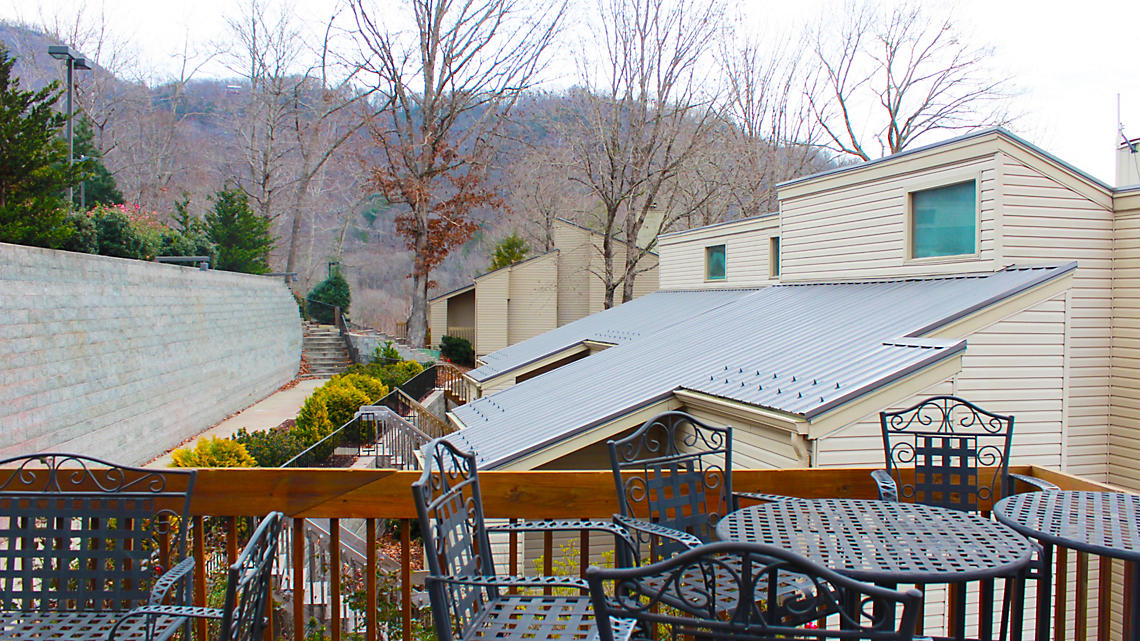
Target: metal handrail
point(400, 440)
point(342, 326)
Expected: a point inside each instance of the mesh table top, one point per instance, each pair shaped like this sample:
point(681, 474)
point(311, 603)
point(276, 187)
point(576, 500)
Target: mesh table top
point(882, 541)
point(1105, 523)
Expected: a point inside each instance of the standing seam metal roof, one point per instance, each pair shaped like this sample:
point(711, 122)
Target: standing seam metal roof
point(617, 325)
point(798, 349)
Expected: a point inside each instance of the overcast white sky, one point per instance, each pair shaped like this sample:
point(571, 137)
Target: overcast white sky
point(1070, 59)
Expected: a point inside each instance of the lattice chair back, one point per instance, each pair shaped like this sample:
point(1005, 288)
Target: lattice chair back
point(675, 471)
point(959, 452)
point(735, 590)
point(87, 533)
point(450, 508)
point(247, 589)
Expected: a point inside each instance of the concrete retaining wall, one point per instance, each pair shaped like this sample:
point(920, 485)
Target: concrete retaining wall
point(123, 359)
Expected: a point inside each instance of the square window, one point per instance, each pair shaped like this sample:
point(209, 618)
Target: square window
point(774, 257)
point(714, 262)
point(944, 221)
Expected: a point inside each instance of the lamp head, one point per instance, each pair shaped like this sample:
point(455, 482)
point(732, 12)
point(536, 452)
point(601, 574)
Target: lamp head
point(60, 52)
point(81, 63)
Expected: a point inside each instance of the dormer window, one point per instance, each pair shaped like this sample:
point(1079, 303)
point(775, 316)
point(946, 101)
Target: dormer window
point(944, 221)
point(714, 262)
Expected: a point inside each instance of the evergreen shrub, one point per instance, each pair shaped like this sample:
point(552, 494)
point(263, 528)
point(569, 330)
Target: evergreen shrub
point(457, 350)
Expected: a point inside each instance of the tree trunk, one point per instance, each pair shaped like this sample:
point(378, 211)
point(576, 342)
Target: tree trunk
point(418, 317)
point(298, 218)
point(627, 283)
point(608, 270)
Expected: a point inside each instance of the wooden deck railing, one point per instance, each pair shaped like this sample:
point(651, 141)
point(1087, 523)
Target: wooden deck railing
point(376, 496)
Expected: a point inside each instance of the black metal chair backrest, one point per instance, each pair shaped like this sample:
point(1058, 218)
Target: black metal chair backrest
point(450, 509)
point(733, 590)
point(84, 534)
point(247, 589)
point(948, 440)
point(675, 471)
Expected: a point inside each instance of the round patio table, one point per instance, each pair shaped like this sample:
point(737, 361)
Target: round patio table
point(1102, 523)
point(888, 543)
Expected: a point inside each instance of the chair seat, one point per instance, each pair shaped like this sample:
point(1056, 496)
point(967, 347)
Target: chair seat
point(82, 625)
point(538, 617)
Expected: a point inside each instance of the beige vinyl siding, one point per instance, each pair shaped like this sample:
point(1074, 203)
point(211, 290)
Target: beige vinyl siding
point(746, 245)
point(574, 278)
point(756, 447)
point(861, 230)
point(493, 290)
point(647, 281)
point(437, 320)
point(1124, 436)
point(533, 300)
point(1015, 366)
point(1046, 221)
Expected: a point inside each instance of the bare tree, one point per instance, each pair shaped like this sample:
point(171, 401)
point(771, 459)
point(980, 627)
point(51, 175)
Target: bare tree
point(451, 81)
point(770, 132)
point(643, 116)
point(302, 106)
point(887, 79)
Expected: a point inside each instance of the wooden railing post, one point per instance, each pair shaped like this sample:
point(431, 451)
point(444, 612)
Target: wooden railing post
point(406, 577)
point(200, 572)
point(298, 579)
point(370, 579)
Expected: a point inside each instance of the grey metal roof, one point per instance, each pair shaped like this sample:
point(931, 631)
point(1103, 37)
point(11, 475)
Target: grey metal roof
point(616, 325)
point(798, 349)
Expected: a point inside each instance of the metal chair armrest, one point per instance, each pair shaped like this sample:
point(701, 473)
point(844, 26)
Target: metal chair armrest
point(183, 571)
point(572, 525)
point(555, 525)
point(1040, 484)
point(655, 529)
point(507, 581)
point(189, 611)
point(888, 491)
point(759, 496)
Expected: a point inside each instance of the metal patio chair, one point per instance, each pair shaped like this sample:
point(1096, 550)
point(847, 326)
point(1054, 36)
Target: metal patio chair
point(83, 541)
point(243, 614)
point(684, 598)
point(674, 481)
point(959, 453)
point(468, 599)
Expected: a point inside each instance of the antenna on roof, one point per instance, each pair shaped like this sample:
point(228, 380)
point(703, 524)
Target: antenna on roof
point(1131, 144)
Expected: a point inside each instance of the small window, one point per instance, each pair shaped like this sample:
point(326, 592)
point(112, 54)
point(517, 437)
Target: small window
point(944, 221)
point(774, 257)
point(714, 262)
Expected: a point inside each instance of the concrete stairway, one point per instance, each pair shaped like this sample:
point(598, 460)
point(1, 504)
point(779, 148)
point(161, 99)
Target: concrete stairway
point(324, 350)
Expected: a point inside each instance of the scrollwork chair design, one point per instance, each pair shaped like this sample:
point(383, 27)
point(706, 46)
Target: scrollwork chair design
point(959, 453)
point(243, 612)
point(687, 597)
point(83, 541)
point(468, 600)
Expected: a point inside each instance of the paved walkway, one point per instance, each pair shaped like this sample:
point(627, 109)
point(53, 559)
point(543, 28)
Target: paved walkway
point(266, 413)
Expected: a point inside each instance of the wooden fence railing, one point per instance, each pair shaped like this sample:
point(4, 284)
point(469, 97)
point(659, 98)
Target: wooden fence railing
point(382, 500)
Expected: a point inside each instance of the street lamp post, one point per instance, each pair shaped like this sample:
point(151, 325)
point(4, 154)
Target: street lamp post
point(75, 60)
